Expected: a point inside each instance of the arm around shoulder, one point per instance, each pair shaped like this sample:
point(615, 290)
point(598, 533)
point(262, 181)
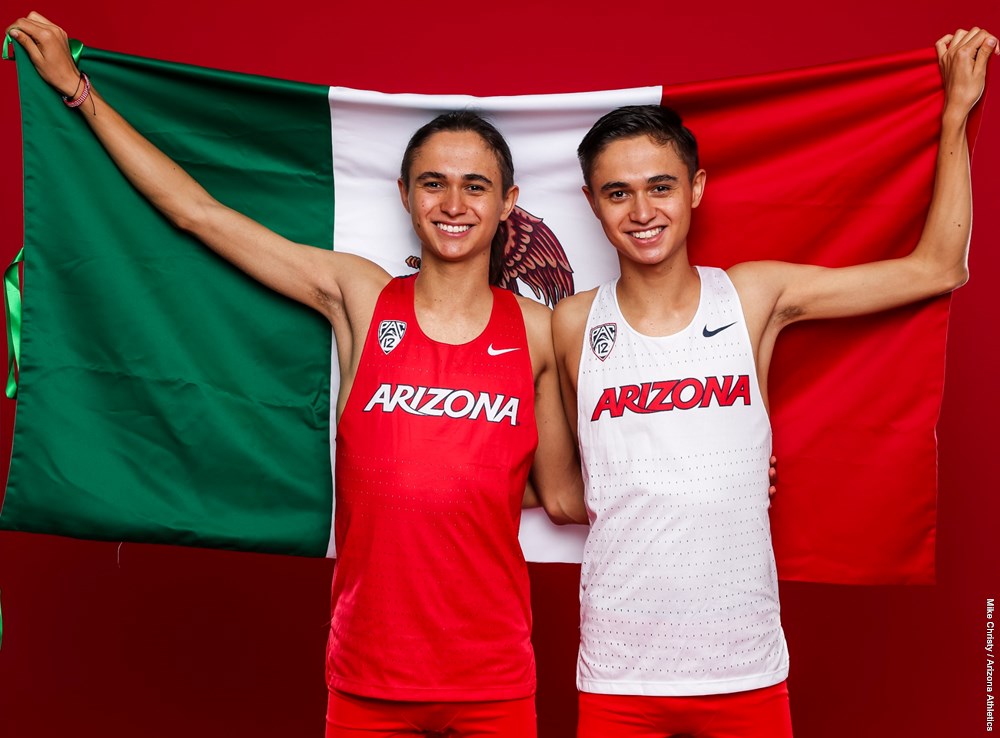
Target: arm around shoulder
point(569, 322)
point(555, 473)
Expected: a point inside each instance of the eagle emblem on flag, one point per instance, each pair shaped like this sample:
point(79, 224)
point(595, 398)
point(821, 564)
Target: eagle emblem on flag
point(602, 339)
point(532, 255)
point(390, 333)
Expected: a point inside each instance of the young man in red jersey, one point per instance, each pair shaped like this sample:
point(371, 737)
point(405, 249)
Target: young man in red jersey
point(680, 626)
point(431, 615)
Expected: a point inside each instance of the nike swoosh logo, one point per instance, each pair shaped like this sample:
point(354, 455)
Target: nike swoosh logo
point(708, 334)
point(499, 352)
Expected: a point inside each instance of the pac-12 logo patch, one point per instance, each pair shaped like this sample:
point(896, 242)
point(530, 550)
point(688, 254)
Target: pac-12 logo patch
point(602, 339)
point(390, 333)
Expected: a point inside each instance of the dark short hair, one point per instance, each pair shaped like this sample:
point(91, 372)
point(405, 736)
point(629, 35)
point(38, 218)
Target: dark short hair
point(459, 121)
point(660, 123)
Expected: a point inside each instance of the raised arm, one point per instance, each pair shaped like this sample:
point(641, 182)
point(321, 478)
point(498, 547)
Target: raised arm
point(315, 277)
point(777, 293)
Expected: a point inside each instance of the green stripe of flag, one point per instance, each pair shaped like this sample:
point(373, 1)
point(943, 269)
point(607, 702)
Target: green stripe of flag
point(206, 420)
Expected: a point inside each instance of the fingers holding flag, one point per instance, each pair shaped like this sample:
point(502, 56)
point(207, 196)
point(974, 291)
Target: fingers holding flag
point(47, 45)
point(963, 57)
point(772, 474)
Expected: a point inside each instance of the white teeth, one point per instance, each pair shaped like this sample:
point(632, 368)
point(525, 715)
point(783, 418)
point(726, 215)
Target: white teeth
point(648, 234)
point(453, 228)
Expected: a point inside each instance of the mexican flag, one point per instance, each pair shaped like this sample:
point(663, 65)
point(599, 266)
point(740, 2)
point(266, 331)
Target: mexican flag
point(166, 397)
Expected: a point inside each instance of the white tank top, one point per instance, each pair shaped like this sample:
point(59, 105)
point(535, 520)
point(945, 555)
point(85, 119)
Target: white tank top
point(678, 589)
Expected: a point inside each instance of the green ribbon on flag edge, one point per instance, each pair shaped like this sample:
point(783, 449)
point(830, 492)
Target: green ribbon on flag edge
point(12, 308)
point(75, 48)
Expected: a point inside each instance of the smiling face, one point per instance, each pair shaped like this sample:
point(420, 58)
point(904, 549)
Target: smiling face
point(455, 196)
point(643, 194)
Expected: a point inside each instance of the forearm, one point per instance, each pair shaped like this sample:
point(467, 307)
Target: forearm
point(164, 183)
point(294, 270)
point(570, 508)
point(303, 273)
point(943, 248)
point(561, 495)
point(938, 262)
point(530, 498)
point(159, 179)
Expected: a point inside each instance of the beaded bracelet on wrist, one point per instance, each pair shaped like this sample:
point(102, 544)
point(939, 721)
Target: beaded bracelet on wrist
point(76, 102)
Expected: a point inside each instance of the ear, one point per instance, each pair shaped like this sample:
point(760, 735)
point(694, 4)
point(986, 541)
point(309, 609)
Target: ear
point(698, 187)
point(509, 201)
point(590, 199)
point(403, 193)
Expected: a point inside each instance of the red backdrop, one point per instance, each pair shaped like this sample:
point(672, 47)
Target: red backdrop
point(140, 640)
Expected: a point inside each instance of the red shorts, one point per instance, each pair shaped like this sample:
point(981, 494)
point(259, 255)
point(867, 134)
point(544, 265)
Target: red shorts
point(758, 713)
point(348, 716)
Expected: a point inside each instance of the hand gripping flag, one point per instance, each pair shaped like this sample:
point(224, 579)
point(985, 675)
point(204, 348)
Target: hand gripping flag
point(164, 396)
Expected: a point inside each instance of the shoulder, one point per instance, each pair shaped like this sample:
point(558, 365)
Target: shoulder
point(349, 292)
point(570, 315)
point(537, 319)
point(758, 283)
point(356, 280)
point(538, 330)
point(359, 269)
point(533, 310)
point(748, 273)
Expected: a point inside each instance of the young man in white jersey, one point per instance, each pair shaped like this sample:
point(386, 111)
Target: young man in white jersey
point(680, 627)
point(411, 651)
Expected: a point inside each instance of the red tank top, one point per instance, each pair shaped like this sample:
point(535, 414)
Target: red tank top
point(431, 599)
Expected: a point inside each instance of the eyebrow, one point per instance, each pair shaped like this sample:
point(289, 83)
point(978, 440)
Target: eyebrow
point(473, 177)
point(658, 179)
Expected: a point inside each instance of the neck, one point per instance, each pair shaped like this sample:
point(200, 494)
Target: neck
point(659, 299)
point(453, 301)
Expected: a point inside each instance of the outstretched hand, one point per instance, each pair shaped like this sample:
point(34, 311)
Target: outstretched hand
point(963, 57)
point(48, 48)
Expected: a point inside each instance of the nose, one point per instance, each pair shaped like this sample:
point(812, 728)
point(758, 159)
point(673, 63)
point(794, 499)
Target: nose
point(642, 209)
point(453, 204)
